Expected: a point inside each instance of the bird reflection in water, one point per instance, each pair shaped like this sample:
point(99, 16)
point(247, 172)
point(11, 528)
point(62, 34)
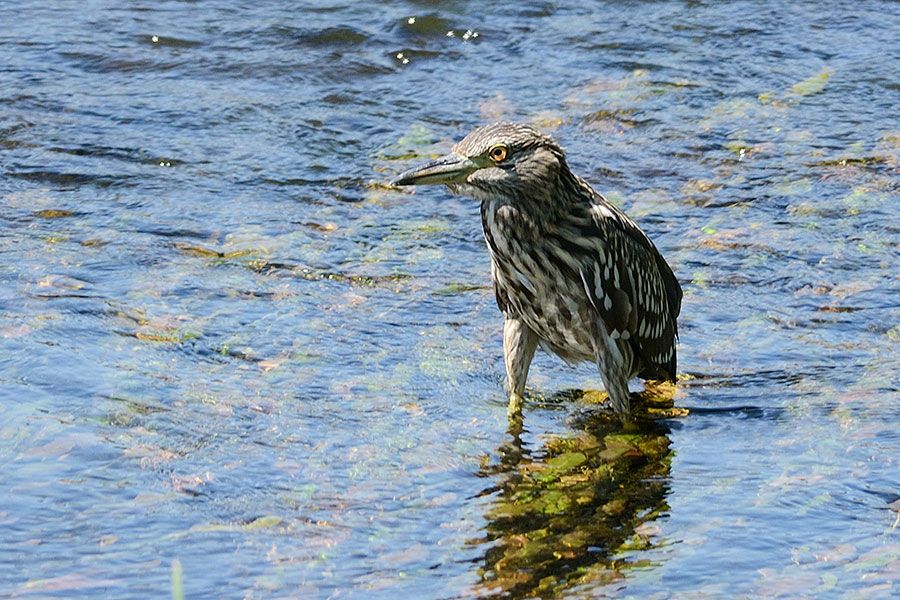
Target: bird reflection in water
point(562, 515)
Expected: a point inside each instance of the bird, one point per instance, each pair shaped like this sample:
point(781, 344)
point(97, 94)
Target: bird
point(571, 272)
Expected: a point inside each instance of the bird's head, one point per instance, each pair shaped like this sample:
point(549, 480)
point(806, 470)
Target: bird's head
point(506, 160)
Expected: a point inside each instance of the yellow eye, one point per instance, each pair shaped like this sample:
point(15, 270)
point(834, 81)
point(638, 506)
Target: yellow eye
point(498, 153)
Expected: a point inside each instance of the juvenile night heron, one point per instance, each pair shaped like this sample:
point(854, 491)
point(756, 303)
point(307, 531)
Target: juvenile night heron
point(571, 271)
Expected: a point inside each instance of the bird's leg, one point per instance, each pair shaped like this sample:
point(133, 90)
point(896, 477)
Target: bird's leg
point(617, 387)
point(519, 344)
point(614, 362)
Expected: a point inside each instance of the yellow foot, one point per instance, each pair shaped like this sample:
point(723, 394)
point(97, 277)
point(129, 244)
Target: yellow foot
point(515, 420)
point(657, 401)
point(659, 393)
point(514, 408)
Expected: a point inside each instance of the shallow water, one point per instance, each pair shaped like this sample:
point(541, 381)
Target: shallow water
point(226, 344)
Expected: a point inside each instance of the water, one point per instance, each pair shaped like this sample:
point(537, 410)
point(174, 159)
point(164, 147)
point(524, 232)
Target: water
point(226, 343)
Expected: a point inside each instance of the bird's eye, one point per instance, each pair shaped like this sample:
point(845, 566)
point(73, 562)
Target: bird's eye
point(498, 153)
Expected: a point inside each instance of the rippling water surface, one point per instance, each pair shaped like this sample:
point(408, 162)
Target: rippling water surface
point(227, 345)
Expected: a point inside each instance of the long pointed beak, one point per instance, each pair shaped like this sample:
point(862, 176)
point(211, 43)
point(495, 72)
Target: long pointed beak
point(452, 168)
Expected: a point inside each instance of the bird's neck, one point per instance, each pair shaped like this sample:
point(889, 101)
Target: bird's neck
point(532, 217)
point(506, 219)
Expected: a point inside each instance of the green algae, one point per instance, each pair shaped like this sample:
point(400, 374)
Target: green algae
point(813, 84)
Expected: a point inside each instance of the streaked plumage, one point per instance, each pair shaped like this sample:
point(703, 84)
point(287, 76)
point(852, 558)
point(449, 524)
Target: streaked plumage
point(572, 273)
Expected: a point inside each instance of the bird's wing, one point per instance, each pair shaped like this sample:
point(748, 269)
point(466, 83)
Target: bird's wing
point(499, 293)
point(634, 290)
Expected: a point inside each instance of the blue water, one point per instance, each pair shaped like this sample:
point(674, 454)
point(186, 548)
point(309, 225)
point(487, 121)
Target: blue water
point(228, 345)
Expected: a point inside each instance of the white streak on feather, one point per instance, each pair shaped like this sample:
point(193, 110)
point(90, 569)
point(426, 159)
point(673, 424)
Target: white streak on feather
point(587, 289)
point(523, 279)
point(603, 211)
point(598, 283)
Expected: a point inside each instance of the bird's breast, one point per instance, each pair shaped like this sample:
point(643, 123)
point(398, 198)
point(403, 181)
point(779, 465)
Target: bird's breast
point(550, 307)
point(537, 285)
